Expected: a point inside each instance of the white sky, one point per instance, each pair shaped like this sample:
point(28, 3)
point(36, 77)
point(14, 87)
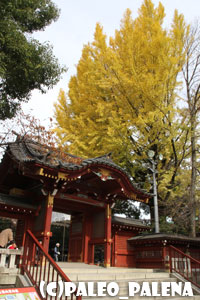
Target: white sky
point(76, 26)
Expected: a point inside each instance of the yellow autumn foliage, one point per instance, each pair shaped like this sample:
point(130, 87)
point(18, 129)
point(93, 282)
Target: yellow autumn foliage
point(123, 97)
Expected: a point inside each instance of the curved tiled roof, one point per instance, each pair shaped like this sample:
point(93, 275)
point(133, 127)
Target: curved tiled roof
point(27, 151)
point(163, 236)
point(129, 222)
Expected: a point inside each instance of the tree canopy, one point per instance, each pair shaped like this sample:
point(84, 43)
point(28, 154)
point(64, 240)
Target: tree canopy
point(123, 99)
point(25, 64)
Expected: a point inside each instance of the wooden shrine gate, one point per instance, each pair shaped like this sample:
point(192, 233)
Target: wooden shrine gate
point(37, 180)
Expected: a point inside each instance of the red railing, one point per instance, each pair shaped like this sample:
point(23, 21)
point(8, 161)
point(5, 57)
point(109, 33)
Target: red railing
point(185, 265)
point(39, 266)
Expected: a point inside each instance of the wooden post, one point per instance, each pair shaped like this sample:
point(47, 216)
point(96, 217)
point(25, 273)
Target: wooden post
point(165, 256)
point(108, 240)
point(114, 253)
point(63, 243)
point(92, 254)
point(47, 222)
point(86, 237)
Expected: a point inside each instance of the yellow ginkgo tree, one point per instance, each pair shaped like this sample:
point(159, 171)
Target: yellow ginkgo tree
point(123, 96)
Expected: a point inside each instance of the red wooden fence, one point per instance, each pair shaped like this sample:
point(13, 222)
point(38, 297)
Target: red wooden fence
point(39, 266)
point(185, 265)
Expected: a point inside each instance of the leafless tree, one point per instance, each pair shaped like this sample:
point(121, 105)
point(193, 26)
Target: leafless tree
point(191, 75)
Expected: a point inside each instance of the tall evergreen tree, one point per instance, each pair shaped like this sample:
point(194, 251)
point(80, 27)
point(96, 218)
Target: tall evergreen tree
point(25, 64)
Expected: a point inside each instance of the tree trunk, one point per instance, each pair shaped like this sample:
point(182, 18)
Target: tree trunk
point(193, 177)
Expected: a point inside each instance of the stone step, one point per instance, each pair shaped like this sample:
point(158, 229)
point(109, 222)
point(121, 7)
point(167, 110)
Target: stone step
point(135, 275)
point(6, 279)
point(86, 273)
point(124, 284)
point(5, 270)
point(123, 292)
point(115, 276)
point(122, 278)
point(106, 271)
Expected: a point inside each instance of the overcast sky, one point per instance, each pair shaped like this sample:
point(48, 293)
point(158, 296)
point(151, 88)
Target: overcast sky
point(75, 27)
